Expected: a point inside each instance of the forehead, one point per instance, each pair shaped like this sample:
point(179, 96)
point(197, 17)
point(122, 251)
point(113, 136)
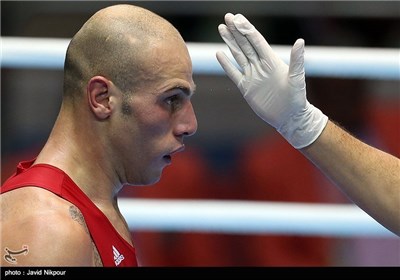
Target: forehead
point(169, 65)
point(173, 52)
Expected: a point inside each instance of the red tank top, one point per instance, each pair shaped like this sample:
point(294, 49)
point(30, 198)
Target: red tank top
point(113, 249)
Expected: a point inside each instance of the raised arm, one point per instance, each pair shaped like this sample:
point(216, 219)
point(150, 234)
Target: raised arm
point(368, 176)
point(277, 94)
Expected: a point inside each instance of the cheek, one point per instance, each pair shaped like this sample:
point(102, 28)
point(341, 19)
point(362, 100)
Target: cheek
point(152, 121)
point(153, 130)
point(143, 123)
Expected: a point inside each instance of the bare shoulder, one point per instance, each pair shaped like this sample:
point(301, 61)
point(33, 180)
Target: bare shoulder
point(38, 228)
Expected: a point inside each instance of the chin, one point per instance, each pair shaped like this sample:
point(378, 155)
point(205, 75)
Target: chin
point(145, 181)
point(151, 179)
point(154, 181)
point(146, 178)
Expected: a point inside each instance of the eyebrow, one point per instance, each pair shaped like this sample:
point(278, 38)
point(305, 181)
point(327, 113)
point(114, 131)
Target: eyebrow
point(187, 91)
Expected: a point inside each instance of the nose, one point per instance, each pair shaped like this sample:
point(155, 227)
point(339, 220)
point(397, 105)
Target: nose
point(186, 121)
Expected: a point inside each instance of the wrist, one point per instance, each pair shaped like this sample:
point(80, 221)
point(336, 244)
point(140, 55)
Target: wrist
point(301, 130)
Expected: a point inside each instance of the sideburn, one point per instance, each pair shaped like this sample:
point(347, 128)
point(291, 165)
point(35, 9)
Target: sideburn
point(125, 108)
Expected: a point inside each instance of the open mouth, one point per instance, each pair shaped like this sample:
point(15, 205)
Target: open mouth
point(167, 158)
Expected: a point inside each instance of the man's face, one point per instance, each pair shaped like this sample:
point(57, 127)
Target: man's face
point(153, 121)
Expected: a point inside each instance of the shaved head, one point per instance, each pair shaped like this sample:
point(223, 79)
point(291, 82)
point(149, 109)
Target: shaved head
point(114, 43)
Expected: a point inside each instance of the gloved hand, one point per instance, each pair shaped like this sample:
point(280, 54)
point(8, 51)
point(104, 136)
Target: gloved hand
point(275, 91)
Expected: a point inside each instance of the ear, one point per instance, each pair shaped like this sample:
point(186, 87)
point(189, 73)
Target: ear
point(98, 91)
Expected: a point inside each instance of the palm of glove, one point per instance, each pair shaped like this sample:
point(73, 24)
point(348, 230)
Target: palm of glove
point(272, 94)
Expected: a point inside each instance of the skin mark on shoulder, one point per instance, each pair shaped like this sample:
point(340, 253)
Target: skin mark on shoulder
point(10, 254)
point(77, 216)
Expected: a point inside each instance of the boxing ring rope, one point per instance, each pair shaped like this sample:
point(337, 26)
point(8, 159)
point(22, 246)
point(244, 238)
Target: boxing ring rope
point(244, 217)
point(345, 62)
point(250, 217)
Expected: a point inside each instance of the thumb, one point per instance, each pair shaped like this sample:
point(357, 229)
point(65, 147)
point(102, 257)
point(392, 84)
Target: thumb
point(296, 65)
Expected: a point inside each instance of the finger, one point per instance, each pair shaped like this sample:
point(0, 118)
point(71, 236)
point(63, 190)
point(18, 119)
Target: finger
point(236, 51)
point(255, 38)
point(241, 39)
point(296, 65)
point(233, 73)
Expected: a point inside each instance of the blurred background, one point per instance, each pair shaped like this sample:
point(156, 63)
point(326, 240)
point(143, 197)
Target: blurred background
point(234, 155)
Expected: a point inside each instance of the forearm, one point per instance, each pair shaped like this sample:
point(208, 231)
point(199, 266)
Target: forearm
point(368, 176)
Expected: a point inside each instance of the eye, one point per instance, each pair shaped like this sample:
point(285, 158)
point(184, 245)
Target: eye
point(176, 97)
point(173, 100)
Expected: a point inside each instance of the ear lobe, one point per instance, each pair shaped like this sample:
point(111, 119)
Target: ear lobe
point(98, 91)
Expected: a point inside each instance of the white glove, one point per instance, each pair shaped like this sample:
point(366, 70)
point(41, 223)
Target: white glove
point(275, 91)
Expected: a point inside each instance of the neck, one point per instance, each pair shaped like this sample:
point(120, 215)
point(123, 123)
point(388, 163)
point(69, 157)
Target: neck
point(71, 148)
